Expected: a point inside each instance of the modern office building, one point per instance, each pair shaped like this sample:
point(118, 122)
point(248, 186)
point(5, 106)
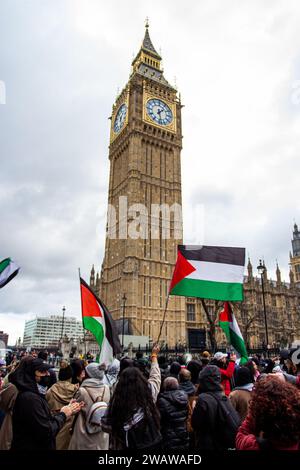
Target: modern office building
point(47, 331)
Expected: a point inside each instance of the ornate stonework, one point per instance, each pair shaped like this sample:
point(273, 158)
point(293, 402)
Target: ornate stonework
point(295, 256)
point(144, 156)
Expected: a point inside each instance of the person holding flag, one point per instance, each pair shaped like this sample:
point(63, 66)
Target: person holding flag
point(226, 370)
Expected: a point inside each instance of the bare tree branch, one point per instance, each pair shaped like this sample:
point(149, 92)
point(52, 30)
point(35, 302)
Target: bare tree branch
point(212, 317)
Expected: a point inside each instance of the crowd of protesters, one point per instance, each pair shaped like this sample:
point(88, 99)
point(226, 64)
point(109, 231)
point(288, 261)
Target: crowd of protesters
point(186, 404)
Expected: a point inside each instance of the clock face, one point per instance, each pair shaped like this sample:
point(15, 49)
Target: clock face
point(120, 118)
point(159, 112)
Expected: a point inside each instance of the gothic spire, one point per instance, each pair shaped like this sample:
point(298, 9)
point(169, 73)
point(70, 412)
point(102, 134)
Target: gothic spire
point(296, 241)
point(92, 277)
point(97, 283)
point(278, 274)
point(250, 269)
point(147, 54)
point(147, 43)
point(265, 272)
point(147, 61)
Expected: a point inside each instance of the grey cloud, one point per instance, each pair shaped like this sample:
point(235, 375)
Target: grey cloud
point(211, 196)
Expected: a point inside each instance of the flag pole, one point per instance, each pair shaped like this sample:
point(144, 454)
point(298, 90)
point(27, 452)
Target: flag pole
point(164, 318)
point(81, 312)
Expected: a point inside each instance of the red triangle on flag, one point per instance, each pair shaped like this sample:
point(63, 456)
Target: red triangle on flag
point(225, 315)
point(182, 269)
point(89, 304)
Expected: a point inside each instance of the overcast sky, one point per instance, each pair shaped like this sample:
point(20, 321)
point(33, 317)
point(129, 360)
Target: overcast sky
point(237, 66)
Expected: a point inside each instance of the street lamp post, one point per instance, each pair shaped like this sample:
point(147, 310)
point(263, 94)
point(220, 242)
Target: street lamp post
point(123, 324)
point(261, 270)
point(60, 341)
point(62, 325)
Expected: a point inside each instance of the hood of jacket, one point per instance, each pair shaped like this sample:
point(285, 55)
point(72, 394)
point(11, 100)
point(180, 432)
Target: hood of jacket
point(210, 379)
point(23, 377)
point(92, 383)
point(176, 397)
point(62, 392)
point(188, 387)
point(111, 375)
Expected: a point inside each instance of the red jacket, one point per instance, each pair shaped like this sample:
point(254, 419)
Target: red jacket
point(246, 440)
point(226, 375)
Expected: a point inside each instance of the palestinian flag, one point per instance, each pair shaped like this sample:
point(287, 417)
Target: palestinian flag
point(209, 272)
point(97, 319)
point(8, 270)
point(229, 325)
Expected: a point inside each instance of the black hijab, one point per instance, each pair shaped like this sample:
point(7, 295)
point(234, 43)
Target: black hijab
point(23, 377)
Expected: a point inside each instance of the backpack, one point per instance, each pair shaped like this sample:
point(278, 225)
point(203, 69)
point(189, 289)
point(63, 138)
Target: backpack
point(230, 420)
point(143, 434)
point(95, 414)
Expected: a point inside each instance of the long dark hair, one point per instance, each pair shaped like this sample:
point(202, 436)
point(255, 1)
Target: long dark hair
point(132, 393)
point(77, 367)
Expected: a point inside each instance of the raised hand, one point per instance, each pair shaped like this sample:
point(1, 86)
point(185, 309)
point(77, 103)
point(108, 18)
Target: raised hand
point(155, 348)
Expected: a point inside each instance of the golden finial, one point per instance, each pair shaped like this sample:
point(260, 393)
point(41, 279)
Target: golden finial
point(147, 23)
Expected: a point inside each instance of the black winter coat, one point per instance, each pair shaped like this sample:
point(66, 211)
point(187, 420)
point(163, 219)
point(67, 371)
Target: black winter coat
point(173, 407)
point(210, 430)
point(213, 426)
point(34, 428)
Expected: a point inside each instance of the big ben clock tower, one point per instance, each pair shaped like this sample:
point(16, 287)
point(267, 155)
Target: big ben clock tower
point(144, 217)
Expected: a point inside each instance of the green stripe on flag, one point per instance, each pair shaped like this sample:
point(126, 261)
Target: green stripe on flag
point(4, 264)
point(95, 328)
point(235, 341)
point(209, 289)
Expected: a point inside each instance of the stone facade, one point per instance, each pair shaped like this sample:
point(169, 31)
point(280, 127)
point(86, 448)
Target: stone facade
point(145, 168)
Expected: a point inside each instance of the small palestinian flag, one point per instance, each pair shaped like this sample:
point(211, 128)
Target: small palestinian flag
point(8, 270)
point(209, 272)
point(97, 319)
point(229, 325)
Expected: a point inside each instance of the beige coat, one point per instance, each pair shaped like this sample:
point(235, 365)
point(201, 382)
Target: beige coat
point(91, 390)
point(240, 400)
point(8, 397)
point(58, 396)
